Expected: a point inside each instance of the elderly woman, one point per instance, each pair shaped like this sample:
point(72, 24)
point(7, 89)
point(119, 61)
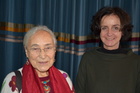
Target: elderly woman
point(38, 74)
point(110, 68)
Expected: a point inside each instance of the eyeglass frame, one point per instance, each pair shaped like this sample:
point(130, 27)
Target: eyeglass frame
point(39, 50)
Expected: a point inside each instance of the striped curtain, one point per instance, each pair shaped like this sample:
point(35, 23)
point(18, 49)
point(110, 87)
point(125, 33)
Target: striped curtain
point(70, 21)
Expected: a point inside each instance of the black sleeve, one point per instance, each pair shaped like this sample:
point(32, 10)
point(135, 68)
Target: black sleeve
point(138, 78)
point(18, 80)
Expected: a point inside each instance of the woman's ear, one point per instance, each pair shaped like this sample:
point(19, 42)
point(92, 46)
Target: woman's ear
point(26, 51)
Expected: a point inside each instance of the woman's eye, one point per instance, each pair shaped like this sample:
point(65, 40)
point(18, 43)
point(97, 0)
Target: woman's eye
point(116, 28)
point(103, 28)
point(34, 49)
point(48, 48)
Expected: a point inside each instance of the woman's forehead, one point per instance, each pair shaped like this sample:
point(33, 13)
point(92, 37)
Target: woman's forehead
point(41, 37)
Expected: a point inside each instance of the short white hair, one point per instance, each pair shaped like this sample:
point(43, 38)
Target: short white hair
point(33, 30)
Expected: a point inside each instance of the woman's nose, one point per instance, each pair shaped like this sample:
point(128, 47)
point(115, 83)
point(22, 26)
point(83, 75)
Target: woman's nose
point(109, 32)
point(42, 54)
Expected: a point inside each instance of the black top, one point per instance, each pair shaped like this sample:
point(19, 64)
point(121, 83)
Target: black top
point(103, 71)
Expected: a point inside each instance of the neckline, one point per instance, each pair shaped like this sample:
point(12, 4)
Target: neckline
point(116, 51)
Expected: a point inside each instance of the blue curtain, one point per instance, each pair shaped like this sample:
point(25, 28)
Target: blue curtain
point(70, 21)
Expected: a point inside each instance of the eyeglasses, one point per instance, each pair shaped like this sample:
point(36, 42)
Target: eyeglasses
point(47, 49)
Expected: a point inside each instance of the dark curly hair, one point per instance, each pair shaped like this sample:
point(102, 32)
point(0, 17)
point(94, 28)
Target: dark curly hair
point(126, 26)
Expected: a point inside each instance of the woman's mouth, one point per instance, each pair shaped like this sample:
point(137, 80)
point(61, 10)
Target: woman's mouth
point(43, 63)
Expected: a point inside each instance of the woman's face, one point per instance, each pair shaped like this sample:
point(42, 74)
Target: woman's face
point(41, 52)
point(110, 32)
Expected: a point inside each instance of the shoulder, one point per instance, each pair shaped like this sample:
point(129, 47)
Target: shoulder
point(66, 76)
point(134, 55)
point(8, 85)
point(91, 51)
point(90, 54)
point(136, 59)
point(9, 76)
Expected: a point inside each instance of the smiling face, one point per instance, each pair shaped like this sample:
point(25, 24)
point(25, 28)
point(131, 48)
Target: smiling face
point(110, 32)
point(41, 52)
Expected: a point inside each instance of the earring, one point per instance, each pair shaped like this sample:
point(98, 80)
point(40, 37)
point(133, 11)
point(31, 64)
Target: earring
point(27, 63)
